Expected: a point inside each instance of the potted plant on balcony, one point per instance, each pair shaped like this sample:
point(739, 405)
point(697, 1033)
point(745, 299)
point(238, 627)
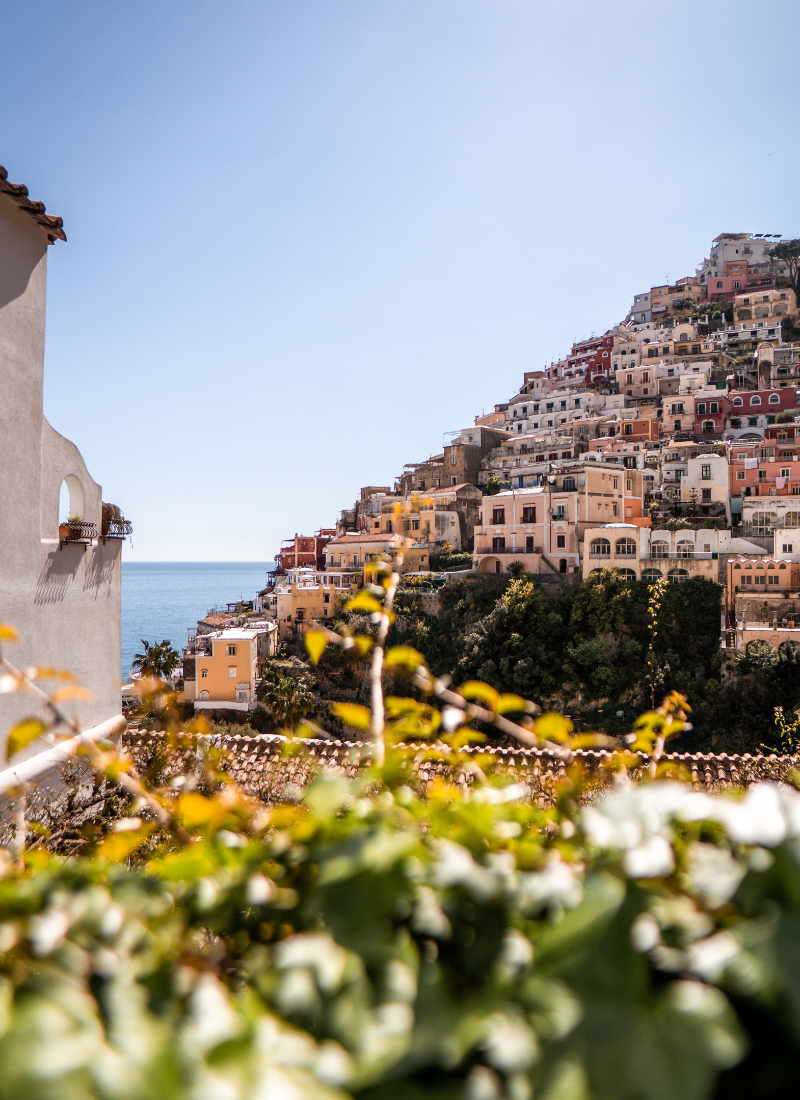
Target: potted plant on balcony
point(66, 529)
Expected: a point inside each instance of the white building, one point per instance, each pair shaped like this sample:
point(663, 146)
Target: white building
point(62, 596)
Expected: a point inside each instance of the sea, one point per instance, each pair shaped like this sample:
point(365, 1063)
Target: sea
point(162, 599)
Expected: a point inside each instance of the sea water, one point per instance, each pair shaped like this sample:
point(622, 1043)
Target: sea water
point(161, 600)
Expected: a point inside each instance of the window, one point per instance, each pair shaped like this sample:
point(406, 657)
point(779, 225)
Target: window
point(701, 406)
point(714, 407)
point(773, 580)
point(787, 548)
point(454, 480)
point(232, 670)
point(204, 674)
point(706, 496)
point(600, 548)
point(625, 548)
point(498, 515)
point(705, 473)
point(677, 408)
point(685, 549)
point(242, 695)
point(561, 542)
point(737, 402)
point(529, 513)
point(415, 525)
point(708, 426)
point(752, 421)
point(529, 546)
point(203, 696)
point(389, 530)
point(741, 475)
point(616, 482)
point(629, 486)
point(786, 471)
point(755, 400)
point(646, 376)
point(651, 575)
point(774, 399)
point(677, 576)
point(231, 650)
point(659, 550)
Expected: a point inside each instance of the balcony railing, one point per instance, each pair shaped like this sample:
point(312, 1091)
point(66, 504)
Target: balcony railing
point(508, 550)
point(118, 529)
point(677, 555)
point(77, 532)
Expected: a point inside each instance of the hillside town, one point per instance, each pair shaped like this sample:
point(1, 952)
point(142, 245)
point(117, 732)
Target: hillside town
point(667, 447)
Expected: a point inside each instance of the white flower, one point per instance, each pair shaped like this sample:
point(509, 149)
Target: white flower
point(651, 858)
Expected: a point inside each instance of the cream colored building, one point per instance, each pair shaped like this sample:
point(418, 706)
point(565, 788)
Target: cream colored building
point(762, 303)
point(645, 554)
point(542, 527)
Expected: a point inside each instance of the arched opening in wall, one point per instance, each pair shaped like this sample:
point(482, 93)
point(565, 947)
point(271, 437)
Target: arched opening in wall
point(70, 500)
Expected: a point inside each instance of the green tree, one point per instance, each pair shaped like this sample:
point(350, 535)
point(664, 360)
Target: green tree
point(492, 486)
point(159, 659)
point(287, 699)
point(788, 252)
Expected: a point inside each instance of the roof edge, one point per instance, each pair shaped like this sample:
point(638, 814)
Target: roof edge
point(52, 225)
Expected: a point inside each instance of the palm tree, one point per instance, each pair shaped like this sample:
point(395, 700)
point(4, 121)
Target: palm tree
point(159, 659)
point(287, 699)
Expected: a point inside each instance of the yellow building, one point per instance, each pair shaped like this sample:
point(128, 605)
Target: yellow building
point(226, 668)
point(762, 303)
point(307, 596)
point(353, 552)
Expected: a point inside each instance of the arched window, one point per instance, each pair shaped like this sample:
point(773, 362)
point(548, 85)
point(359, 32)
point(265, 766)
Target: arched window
point(774, 399)
point(744, 314)
point(678, 576)
point(708, 426)
point(782, 565)
point(627, 574)
point(659, 550)
point(762, 311)
point(760, 565)
point(204, 674)
point(756, 400)
point(771, 565)
point(737, 402)
point(625, 548)
point(748, 565)
point(70, 500)
point(685, 549)
point(600, 548)
point(651, 575)
point(203, 697)
point(737, 566)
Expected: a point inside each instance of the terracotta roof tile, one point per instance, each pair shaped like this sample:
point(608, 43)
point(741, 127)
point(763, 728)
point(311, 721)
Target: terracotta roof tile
point(53, 226)
point(257, 766)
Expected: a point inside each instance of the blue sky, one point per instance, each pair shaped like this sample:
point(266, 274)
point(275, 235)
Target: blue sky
point(307, 237)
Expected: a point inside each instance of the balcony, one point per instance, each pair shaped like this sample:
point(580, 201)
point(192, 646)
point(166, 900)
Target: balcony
point(479, 550)
point(682, 555)
point(77, 532)
point(118, 529)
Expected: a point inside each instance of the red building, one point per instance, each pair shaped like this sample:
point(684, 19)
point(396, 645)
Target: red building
point(304, 550)
point(592, 358)
point(711, 413)
point(755, 403)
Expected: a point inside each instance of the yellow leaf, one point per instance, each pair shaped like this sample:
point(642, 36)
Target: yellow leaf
point(62, 695)
point(194, 810)
point(315, 644)
point(23, 733)
point(117, 846)
point(362, 644)
point(475, 689)
point(352, 715)
point(8, 633)
point(552, 727)
point(508, 703)
point(364, 601)
point(404, 656)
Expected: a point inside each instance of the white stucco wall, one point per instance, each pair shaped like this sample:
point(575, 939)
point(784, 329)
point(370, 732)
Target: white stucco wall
point(64, 601)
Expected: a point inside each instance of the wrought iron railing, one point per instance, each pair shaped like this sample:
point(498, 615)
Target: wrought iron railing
point(509, 550)
point(77, 532)
point(118, 529)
